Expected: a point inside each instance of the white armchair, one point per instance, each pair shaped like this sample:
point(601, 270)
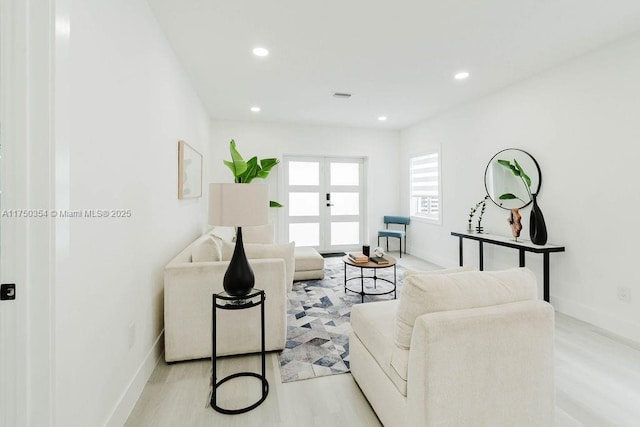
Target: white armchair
point(457, 349)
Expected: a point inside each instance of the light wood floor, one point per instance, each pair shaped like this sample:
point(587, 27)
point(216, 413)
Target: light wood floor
point(597, 384)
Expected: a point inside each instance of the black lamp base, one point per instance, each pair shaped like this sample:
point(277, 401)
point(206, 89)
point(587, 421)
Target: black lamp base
point(239, 278)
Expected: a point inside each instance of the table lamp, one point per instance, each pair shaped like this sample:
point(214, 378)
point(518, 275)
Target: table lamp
point(238, 205)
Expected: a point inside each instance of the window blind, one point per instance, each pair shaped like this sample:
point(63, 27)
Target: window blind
point(425, 185)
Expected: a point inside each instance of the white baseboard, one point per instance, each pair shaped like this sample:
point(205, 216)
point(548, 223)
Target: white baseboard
point(134, 389)
point(606, 321)
point(435, 259)
point(441, 261)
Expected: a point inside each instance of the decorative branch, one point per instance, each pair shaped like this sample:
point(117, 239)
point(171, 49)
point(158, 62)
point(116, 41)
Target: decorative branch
point(473, 211)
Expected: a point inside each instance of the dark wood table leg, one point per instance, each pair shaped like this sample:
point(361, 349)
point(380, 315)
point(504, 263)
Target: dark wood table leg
point(521, 257)
point(362, 284)
point(214, 372)
point(263, 343)
point(345, 278)
point(481, 249)
point(395, 285)
point(545, 279)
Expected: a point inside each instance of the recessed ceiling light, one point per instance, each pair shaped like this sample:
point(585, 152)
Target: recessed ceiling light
point(260, 51)
point(461, 75)
point(382, 118)
point(255, 109)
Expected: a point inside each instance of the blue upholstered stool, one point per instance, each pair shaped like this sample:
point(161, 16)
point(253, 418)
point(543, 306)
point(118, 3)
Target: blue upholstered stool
point(400, 234)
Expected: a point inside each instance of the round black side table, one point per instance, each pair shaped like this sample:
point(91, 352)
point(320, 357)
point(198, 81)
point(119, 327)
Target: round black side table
point(224, 301)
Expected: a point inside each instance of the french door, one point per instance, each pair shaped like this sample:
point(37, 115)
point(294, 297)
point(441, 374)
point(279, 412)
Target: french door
point(325, 202)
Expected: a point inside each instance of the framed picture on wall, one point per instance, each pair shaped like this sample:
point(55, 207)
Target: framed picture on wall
point(189, 172)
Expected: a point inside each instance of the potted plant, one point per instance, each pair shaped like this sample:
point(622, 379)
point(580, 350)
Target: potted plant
point(246, 171)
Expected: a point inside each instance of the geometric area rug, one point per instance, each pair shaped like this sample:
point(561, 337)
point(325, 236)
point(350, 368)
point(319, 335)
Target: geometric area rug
point(318, 321)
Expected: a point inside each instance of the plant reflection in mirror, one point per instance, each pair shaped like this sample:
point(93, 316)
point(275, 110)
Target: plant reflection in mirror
point(517, 170)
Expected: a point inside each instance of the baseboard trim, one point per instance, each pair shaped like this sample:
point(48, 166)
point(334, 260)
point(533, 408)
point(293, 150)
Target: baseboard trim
point(608, 322)
point(434, 259)
point(134, 389)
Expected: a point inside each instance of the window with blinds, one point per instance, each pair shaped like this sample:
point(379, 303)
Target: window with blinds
point(425, 186)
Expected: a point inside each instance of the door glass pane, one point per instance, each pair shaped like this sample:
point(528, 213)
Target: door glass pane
point(307, 234)
point(345, 203)
point(304, 173)
point(345, 233)
point(304, 204)
point(345, 173)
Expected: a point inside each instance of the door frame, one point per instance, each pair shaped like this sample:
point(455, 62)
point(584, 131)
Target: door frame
point(325, 161)
point(27, 82)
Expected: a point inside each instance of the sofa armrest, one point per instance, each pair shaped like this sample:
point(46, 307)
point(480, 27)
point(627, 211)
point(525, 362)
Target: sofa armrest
point(483, 366)
point(188, 289)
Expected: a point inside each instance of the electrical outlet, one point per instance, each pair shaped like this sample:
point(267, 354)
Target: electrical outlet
point(624, 294)
point(132, 334)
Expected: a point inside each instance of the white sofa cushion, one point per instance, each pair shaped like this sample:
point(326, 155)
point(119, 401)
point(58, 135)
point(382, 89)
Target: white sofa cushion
point(206, 249)
point(373, 324)
point(258, 234)
point(449, 290)
point(307, 259)
point(263, 251)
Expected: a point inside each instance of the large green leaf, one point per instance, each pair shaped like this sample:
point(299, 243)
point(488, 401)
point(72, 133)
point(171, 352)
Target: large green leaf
point(268, 164)
point(252, 170)
point(239, 165)
point(507, 164)
point(231, 166)
point(524, 175)
point(507, 196)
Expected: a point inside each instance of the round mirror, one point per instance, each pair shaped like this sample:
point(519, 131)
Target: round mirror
point(511, 177)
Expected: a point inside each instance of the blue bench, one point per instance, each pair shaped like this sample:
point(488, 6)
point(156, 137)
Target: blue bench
point(400, 234)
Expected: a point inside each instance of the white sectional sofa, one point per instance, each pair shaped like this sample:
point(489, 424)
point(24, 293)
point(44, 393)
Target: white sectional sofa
point(309, 264)
point(458, 348)
point(197, 272)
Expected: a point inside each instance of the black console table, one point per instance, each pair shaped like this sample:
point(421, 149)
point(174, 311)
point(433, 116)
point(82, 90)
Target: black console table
point(225, 301)
point(509, 242)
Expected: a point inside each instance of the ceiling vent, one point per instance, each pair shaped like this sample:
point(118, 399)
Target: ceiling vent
point(342, 95)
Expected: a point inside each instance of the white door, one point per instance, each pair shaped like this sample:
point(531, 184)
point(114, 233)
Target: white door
point(8, 321)
point(27, 39)
point(8, 308)
point(324, 202)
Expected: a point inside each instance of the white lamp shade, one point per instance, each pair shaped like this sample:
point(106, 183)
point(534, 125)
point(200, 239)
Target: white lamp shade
point(238, 205)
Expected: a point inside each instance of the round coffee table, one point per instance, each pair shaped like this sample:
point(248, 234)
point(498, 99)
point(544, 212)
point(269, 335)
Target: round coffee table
point(373, 266)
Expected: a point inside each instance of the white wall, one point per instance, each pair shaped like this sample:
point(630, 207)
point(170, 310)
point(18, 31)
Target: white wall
point(379, 147)
point(580, 121)
point(127, 104)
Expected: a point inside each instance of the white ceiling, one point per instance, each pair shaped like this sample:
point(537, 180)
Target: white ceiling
point(396, 57)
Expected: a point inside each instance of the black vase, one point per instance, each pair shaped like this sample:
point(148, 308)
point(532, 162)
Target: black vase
point(239, 279)
point(537, 227)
